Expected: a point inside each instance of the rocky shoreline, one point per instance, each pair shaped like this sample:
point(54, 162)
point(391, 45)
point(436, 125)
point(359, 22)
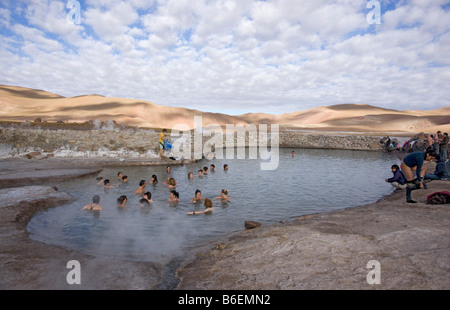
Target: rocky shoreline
point(31, 265)
point(319, 251)
point(331, 251)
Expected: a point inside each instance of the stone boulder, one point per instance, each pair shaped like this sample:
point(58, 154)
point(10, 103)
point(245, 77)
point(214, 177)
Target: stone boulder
point(251, 224)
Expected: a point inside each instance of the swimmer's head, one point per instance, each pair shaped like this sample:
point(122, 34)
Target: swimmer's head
point(96, 199)
point(122, 199)
point(208, 203)
point(175, 194)
point(148, 195)
point(198, 193)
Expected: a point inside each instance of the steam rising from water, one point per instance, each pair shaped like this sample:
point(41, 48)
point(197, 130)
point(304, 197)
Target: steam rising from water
point(313, 181)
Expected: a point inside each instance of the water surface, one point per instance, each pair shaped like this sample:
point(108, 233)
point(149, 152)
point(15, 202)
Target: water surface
point(313, 181)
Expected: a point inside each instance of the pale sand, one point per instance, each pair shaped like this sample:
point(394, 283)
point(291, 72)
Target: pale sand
point(20, 104)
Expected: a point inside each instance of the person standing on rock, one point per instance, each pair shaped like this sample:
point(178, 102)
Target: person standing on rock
point(414, 163)
point(443, 147)
point(437, 141)
point(162, 137)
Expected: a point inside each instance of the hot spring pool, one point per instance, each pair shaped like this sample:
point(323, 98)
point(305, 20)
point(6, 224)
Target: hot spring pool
point(313, 181)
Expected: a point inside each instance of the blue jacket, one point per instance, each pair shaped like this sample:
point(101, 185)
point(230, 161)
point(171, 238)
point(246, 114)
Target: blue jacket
point(441, 169)
point(415, 159)
point(398, 177)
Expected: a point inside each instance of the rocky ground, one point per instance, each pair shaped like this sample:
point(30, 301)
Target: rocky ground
point(411, 243)
point(329, 251)
point(28, 264)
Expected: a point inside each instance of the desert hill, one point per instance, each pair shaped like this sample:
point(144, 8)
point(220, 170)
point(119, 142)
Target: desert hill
point(21, 104)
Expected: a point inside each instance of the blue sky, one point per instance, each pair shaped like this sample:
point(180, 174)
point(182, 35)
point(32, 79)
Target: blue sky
point(232, 56)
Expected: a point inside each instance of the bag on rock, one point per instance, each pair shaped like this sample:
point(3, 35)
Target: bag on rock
point(438, 198)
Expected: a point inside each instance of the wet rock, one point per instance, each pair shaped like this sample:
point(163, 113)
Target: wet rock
point(251, 224)
point(33, 155)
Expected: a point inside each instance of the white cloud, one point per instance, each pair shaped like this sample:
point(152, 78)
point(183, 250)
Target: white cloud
point(113, 22)
point(4, 17)
point(33, 35)
point(270, 56)
point(50, 16)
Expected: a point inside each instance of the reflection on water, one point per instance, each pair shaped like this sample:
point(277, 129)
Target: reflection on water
point(313, 181)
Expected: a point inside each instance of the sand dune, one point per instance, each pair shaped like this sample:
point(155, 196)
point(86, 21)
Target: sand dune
point(20, 104)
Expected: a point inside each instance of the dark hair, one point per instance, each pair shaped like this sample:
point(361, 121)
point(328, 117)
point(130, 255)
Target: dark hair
point(396, 167)
point(212, 165)
point(205, 168)
point(142, 182)
point(121, 199)
point(124, 177)
point(431, 153)
point(164, 130)
point(96, 199)
point(148, 194)
point(143, 200)
point(175, 193)
point(226, 165)
point(106, 182)
point(155, 179)
point(119, 173)
point(198, 191)
point(200, 170)
point(99, 178)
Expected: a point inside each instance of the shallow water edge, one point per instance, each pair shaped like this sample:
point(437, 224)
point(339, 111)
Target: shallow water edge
point(31, 265)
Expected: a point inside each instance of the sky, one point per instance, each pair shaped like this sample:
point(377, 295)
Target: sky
point(232, 56)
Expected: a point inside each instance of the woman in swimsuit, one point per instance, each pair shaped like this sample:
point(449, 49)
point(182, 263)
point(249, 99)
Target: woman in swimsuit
point(414, 163)
point(94, 206)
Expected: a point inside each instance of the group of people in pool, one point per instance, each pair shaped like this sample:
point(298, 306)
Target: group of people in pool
point(412, 172)
point(146, 196)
